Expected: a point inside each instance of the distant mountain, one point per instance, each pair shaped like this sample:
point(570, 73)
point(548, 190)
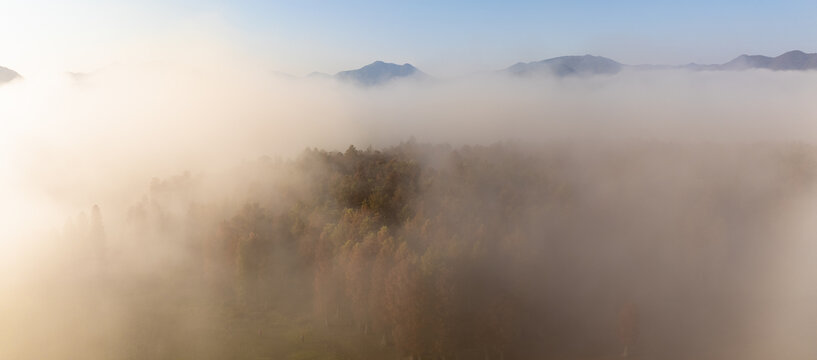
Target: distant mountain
point(7, 75)
point(795, 60)
point(568, 66)
point(378, 73)
point(318, 75)
point(747, 62)
point(792, 60)
point(597, 65)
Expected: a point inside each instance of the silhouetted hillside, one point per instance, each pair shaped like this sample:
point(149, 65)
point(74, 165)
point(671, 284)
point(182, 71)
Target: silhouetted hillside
point(7, 75)
point(379, 72)
point(568, 65)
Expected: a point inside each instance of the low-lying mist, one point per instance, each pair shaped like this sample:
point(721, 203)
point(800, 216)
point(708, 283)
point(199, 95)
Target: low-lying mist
point(171, 210)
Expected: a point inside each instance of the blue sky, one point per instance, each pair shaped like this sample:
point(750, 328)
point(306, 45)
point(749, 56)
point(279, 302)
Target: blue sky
point(453, 37)
point(477, 35)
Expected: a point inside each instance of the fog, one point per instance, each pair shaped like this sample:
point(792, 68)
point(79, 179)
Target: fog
point(690, 194)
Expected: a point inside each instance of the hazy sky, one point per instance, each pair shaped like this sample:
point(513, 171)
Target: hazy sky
point(441, 37)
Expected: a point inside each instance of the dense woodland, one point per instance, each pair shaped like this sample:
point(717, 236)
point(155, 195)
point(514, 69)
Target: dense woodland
point(508, 251)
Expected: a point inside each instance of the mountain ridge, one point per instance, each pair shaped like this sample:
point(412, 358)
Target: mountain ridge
point(795, 60)
point(570, 65)
point(7, 75)
point(379, 72)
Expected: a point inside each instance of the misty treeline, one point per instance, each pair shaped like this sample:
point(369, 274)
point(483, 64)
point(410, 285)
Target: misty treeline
point(506, 251)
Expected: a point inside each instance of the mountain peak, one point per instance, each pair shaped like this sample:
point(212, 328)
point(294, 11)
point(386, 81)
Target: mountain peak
point(380, 63)
point(7, 75)
point(792, 60)
point(379, 72)
point(794, 52)
point(568, 66)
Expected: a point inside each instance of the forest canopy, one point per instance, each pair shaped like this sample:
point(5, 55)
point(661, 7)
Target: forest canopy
point(507, 251)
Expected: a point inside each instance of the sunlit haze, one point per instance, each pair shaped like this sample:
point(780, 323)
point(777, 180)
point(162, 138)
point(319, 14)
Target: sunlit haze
point(408, 180)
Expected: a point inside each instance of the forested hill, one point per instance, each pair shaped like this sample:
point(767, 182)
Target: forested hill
point(489, 252)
